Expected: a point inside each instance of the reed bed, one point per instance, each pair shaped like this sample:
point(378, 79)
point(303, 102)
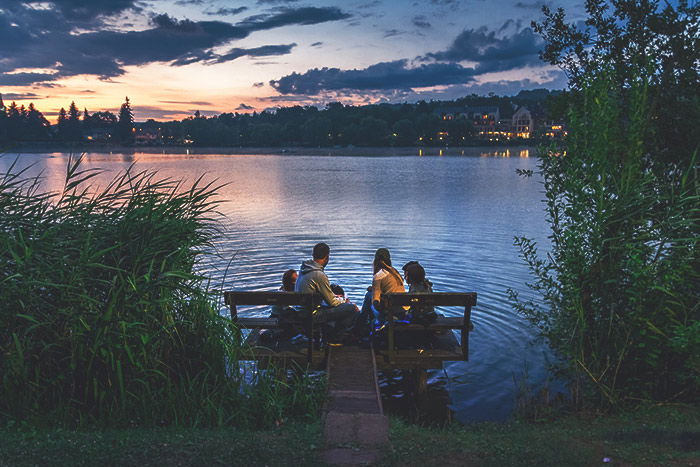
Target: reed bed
point(103, 320)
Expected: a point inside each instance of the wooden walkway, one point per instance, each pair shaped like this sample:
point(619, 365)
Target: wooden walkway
point(354, 426)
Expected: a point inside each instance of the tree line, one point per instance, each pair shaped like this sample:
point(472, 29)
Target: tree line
point(336, 124)
point(28, 124)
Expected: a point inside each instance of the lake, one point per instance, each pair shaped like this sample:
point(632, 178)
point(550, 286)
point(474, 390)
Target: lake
point(457, 214)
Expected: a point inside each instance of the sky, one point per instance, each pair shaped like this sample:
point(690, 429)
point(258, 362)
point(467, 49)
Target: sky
point(173, 57)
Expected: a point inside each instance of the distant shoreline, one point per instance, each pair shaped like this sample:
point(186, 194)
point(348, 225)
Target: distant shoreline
point(300, 151)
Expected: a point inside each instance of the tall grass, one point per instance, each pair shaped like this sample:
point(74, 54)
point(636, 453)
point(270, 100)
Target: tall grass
point(621, 285)
point(103, 320)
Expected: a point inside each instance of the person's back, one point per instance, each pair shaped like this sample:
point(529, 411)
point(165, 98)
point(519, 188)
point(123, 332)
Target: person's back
point(312, 279)
point(336, 314)
point(415, 276)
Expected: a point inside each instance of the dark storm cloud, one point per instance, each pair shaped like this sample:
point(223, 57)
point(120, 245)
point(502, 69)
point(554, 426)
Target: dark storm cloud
point(226, 11)
point(421, 22)
point(381, 76)
point(317, 44)
point(493, 53)
point(46, 38)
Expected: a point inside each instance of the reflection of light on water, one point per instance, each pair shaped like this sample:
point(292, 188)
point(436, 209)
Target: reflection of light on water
point(420, 153)
point(524, 153)
point(441, 152)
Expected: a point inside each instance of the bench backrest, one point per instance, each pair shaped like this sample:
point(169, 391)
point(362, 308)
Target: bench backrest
point(235, 298)
point(431, 299)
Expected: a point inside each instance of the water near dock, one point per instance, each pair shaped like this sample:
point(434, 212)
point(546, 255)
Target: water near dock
point(456, 214)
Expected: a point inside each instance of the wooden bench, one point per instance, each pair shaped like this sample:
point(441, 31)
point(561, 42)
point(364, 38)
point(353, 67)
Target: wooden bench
point(462, 323)
point(234, 299)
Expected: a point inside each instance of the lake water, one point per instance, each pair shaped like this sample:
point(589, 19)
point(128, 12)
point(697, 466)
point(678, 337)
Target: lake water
point(456, 214)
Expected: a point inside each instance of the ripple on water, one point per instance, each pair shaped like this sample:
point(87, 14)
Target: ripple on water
point(456, 215)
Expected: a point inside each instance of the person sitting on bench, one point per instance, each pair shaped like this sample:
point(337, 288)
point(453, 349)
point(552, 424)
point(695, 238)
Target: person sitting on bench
point(289, 280)
point(414, 274)
point(338, 314)
point(386, 279)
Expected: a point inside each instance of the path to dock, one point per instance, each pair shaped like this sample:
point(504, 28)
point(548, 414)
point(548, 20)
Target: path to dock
point(355, 428)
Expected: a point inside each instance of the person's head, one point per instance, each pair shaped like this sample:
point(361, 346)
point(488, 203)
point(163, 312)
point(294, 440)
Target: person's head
point(405, 266)
point(321, 253)
point(337, 290)
point(415, 274)
point(289, 279)
point(382, 258)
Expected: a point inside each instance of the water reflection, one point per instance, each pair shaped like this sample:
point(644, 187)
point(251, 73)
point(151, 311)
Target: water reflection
point(456, 215)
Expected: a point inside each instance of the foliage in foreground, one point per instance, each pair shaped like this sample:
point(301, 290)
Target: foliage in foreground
point(621, 285)
point(102, 320)
point(649, 436)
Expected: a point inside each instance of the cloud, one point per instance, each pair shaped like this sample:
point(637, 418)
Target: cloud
point(289, 16)
point(19, 96)
point(381, 76)
point(532, 5)
point(268, 2)
point(24, 79)
point(244, 107)
point(493, 53)
point(488, 50)
point(226, 11)
point(200, 103)
point(258, 85)
point(317, 44)
point(47, 39)
point(393, 33)
point(422, 22)
point(210, 58)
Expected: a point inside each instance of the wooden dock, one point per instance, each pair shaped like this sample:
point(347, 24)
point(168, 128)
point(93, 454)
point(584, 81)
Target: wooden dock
point(354, 425)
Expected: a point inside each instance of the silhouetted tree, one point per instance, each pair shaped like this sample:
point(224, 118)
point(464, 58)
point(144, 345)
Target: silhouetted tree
point(62, 123)
point(4, 139)
point(37, 127)
point(125, 125)
point(72, 131)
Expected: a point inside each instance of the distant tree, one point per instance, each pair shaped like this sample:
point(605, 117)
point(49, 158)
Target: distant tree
point(87, 121)
point(4, 139)
point(404, 133)
point(125, 125)
point(103, 119)
point(37, 127)
point(61, 125)
point(14, 122)
point(317, 131)
point(73, 131)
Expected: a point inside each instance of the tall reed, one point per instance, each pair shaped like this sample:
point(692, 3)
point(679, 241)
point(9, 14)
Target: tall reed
point(621, 282)
point(103, 319)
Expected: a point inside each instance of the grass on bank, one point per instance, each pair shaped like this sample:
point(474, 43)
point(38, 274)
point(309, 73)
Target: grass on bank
point(104, 321)
point(649, 436)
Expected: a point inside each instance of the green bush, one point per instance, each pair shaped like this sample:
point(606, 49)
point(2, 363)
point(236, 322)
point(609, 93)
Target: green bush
point(620, 284)
point(102, 318)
